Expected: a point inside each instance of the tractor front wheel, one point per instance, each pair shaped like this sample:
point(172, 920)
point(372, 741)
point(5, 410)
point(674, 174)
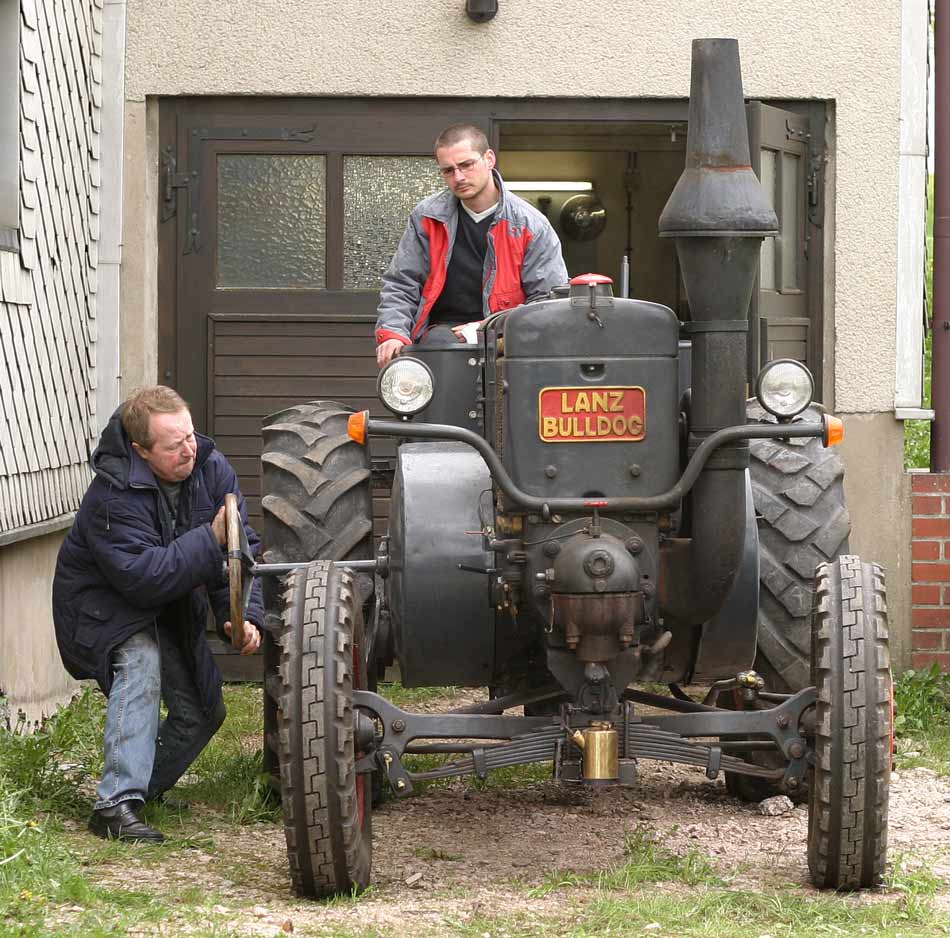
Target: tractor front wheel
point(327, 806)
point(317, 505)
point(848, 792)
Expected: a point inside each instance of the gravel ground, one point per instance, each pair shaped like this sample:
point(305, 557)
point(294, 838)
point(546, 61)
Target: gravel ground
point(452, 853)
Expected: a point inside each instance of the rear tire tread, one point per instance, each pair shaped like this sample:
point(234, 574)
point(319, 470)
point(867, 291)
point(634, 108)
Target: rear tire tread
point(798, 493)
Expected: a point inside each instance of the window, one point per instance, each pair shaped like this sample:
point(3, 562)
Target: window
point(9, 123)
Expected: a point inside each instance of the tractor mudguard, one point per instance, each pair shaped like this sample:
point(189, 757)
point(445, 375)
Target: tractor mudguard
point(727, 643)
point(439, 582)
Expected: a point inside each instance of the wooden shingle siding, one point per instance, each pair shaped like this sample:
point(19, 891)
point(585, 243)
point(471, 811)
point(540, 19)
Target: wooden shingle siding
point(48, 291)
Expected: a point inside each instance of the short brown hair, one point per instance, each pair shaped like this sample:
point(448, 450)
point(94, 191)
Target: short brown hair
point(456, 133)
point(141, 404)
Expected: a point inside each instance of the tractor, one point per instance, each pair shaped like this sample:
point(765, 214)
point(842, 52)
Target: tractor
point(583, 505)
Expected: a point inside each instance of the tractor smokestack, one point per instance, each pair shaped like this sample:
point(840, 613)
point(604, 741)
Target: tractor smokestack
point(718, 214)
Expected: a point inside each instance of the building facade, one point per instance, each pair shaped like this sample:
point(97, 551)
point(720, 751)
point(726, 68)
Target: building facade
point(268, 154)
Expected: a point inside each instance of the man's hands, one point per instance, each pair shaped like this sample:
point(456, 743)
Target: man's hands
point(386, 350)
point(468, 331)
point(252, 637)
point(219, 527)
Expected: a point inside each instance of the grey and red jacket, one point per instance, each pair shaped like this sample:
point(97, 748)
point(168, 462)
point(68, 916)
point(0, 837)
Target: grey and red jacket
point(523, 262)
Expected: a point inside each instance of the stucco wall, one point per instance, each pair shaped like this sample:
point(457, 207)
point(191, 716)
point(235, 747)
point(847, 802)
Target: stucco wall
point(877, 492)
point(31, 675)
point(846, 52)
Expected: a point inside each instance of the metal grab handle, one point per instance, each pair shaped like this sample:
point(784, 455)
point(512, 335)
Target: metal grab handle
point(667, 499)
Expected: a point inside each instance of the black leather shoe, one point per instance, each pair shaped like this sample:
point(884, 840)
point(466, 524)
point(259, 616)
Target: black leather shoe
point(120, 822)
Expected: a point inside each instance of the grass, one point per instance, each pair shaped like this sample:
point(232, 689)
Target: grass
point(51, 880)
point(645, 861)
point(695, 903)
point(922, 720)
point(409, 698)
point(230, 774)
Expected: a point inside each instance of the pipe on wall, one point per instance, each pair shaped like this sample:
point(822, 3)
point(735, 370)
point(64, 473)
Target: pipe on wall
point(940, 388)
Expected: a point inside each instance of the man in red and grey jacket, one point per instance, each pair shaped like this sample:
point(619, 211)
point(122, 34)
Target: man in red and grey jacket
point(469, 251)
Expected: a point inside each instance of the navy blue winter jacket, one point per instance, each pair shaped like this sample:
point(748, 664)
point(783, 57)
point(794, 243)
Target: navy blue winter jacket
point(126, 562)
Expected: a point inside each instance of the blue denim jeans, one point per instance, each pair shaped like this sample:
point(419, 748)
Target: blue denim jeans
point(143, 759)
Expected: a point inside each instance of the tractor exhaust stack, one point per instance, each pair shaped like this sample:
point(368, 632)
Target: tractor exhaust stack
point(718, 214)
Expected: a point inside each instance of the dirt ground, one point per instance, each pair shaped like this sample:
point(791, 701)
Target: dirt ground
point(447, 855)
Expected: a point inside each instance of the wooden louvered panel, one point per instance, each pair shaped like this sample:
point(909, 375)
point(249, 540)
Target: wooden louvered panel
point(258, 365)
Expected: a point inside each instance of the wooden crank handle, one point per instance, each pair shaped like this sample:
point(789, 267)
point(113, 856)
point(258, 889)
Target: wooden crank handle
point(235, 572)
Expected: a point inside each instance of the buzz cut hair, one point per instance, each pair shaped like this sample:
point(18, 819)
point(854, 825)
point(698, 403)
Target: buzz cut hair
point(141, 404)
point(456, 133)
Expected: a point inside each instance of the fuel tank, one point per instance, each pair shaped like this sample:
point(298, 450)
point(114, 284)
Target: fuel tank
point(588, 390)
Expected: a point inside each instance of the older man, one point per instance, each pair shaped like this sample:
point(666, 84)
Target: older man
point(130, 600)
point(471, 250)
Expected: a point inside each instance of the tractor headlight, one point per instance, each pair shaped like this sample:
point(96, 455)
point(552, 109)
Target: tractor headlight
point(405, 386)
point(784, 388)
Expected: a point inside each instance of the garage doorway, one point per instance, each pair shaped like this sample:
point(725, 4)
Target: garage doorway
point(277, 217)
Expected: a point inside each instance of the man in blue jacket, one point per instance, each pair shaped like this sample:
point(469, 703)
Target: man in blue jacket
point(130, 600)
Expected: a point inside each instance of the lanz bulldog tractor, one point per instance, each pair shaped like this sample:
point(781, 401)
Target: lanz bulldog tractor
point(574, 512)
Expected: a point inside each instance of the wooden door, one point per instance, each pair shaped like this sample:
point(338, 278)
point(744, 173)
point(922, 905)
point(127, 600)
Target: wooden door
point(277, 220)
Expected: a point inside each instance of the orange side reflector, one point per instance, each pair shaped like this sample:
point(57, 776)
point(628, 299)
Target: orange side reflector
point(834, 430)
point(356, 426)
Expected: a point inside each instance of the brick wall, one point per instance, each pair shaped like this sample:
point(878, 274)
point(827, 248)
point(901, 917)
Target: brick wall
point(930, 582)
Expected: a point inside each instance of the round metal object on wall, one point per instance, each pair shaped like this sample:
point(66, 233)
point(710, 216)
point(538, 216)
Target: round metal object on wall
point(583, 217)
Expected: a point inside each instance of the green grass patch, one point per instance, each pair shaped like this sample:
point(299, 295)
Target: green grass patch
point(49, 882)
point(692, 905)
point(645, 861)
point(407, 698)
point(230, 773)
point(713, 913)
point(921, 700)
point(922, 720)
point(929, 749)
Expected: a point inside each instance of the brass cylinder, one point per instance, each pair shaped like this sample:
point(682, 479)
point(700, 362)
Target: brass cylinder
point(599, 743)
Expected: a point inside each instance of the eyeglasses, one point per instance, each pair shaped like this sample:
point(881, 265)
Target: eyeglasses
point(465, 167)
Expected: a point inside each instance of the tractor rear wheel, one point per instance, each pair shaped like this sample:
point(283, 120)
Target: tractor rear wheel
point(317, 505)
point(327, 806)
point(803, 522)
point(847, 808)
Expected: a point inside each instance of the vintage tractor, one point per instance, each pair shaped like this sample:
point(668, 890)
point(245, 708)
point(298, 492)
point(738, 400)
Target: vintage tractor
point(573, 514)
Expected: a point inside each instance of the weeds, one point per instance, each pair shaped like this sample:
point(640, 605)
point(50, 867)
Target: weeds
point(922, 700)
point(48, 767)
point(230, 772)
point(645, 861)
point(407, 698)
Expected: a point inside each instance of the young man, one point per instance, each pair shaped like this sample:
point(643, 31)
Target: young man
point(469, 251)
point(130, 600)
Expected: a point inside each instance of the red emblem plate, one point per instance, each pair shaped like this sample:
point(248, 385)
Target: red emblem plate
point(592, 414)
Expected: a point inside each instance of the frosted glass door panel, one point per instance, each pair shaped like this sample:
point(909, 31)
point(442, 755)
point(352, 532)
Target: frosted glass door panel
point(379, 192)
point(271, 222)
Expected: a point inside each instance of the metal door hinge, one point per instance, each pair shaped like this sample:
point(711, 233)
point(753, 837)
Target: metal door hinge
point(813, 181)
point(796, 133)
point(171, 180)
point(190, 181)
